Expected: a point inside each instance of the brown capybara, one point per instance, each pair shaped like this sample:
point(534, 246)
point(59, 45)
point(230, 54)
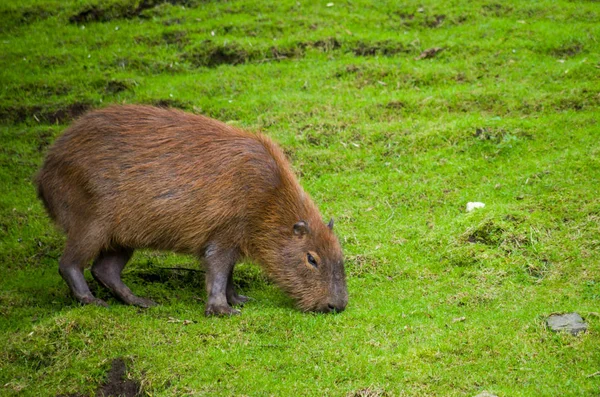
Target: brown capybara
point(128, 177)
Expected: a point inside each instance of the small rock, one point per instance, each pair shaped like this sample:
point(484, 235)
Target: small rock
point(568, 322)
point(486, 394)
point(472, 205)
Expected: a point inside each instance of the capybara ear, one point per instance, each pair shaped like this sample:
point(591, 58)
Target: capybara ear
point(330, 224)
point(301, 228)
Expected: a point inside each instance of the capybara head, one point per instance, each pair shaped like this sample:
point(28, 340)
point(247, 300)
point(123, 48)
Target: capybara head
point(311, 266)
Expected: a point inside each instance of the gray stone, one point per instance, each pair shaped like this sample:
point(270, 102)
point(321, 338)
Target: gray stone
point(568, 322)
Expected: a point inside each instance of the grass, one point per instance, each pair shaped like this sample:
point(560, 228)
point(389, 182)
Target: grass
point(442, 302)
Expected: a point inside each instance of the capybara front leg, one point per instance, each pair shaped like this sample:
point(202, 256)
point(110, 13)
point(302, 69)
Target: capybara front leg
point(70, 267)
point(107, 270)
point(233, 298)
point(219, 263)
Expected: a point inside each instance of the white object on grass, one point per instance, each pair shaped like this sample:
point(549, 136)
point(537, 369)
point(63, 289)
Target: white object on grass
point(472, 205)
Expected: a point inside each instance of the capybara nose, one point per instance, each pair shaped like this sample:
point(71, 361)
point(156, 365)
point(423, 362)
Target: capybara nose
point(336, 308)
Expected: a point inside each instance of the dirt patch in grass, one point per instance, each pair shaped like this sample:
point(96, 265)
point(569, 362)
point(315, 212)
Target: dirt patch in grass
point(373, 48)
point(326, 45)
point(14, 18)
point(177, 37)
point(418, 20)
point(488, 233)
point(112, 87)
point(211, 54)
point(43, 113)
point(568, 49)
point(116, 384)
point(496, 9)
point(66, 113)
point(121, 10)
point(435, 21)
point(171, 103)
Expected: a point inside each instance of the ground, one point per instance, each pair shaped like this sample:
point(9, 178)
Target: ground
point(394, 115)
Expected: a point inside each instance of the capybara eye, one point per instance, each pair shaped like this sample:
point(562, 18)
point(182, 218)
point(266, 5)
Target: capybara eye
point(312, 260)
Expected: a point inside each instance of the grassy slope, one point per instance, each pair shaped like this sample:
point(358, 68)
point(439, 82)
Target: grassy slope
point(393, 147)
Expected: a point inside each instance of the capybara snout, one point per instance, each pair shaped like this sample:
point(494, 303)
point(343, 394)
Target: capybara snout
point(129, 177)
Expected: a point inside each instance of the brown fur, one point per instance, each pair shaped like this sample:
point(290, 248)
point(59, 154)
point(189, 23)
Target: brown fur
point(128, 177)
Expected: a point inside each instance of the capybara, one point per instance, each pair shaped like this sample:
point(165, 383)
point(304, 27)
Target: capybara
point(128, 177)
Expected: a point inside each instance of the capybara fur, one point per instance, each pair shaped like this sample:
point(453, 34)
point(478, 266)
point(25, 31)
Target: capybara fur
point(128, 177)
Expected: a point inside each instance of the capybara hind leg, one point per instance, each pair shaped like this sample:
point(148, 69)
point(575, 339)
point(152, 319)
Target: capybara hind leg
point(233, 298)
point(219, 264)
point(107, 270)
point(71, 269)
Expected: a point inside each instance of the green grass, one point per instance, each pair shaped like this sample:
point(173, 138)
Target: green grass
point(442, 302)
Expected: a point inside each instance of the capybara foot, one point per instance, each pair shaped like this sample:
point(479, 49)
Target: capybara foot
point(220, 311)
point(139, 302)
point(90, 300)
point(238, 300)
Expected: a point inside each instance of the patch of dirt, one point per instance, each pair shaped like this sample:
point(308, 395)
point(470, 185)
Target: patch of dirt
point(385, 48)
point(121, 10)
point(39, 89)
point(178, 37)
point(429, 53)
point(508, 234)
point(407, 16)
point(567, 50)
point(116, 384)
point(115, 86)
point(488, 233)
point(496, 9)
point(172, 103)
point(489, 134)
point(280, 53)
point(211, 55)
point(43, 114)
point(325, 45)
point(172, 37)
point(67, 113)
point(538, 269)
point(396, 105)
point(322, 134)
point(25, 15)
point(435, 21)
point(347, 70)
